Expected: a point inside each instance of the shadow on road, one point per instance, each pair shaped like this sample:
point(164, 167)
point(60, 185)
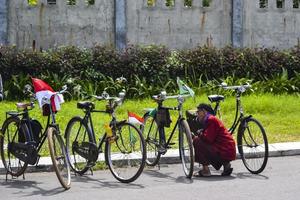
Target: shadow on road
point(167, 175)
point(248, 175)
point(24, 184)
point(104, 183)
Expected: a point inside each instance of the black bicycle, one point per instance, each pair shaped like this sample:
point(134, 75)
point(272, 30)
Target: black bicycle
point(153, 130)
point(251, 136)
point(125, 152)
point(22, 138)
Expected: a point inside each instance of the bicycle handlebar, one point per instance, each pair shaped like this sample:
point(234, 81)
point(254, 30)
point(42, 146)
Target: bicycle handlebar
point(105, 96)
point(239, 88)
point(163, 96)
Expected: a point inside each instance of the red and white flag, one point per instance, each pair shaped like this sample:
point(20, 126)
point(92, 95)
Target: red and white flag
point(44, 91)
point(134, 118)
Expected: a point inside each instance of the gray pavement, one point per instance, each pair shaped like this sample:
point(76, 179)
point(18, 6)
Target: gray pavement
point(172, 156)
point(280, 180)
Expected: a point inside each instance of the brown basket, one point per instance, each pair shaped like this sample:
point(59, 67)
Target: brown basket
point(163, 117)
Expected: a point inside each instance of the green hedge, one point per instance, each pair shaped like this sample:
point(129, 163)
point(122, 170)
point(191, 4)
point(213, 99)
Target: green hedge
point(147, 68)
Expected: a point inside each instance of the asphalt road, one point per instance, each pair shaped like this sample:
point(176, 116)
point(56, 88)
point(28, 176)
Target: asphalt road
point(280, 180)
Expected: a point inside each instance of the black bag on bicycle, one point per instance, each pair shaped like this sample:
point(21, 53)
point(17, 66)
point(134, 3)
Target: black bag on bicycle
point(163, 117)
point(36, 128)
point(193, 122)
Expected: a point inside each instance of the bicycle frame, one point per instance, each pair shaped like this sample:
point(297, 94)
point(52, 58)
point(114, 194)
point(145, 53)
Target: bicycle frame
point(25, 118)
point(113, 124)
point(88, 119)
point(161, 128)
point(239, 112)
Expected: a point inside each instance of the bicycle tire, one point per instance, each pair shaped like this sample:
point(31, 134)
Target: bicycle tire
point(74, 136)
point(150, 132)
point(126, 154)
point(59, 157)
point(186, 149)
point(253, 145)
point(5, 140)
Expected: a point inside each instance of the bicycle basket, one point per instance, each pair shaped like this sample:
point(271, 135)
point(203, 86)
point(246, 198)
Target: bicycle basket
point(194, 124)
point(163, 117)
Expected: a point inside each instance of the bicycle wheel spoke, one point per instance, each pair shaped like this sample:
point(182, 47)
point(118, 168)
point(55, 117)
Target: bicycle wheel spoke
point(59, 158)
point(186, 149)
point(253, 146)
point(125, 157)
point(151, 133)
point(13, 133)
point(79, 143)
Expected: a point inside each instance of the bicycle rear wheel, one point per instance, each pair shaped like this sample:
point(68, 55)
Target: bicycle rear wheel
point(79, 145)
point(150, 132)
point(59, 157)
point(253, 145)
point(126, 154)
point(186, 150)
point(13, 132)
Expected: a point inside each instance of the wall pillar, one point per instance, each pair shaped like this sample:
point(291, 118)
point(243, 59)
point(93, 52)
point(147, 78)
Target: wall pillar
point(237, 23)
point(3, 21)
point(120, 24)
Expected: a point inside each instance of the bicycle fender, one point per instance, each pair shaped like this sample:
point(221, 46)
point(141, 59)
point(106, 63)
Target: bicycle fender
point(121, 122)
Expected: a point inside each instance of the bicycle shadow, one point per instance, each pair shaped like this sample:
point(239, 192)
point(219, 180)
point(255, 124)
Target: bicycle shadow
point(22, 185)
point(167, 175)
point(101, 182)
point(247, 175)
point(233, 176)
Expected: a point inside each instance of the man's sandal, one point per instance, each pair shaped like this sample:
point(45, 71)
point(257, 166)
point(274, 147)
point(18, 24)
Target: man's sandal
point(202, 174)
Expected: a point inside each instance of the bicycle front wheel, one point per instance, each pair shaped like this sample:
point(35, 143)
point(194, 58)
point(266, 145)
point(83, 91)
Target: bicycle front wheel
point(59, 157)
point(14, 133)
point(125, 153)
point(253, 145)
point(186, 150)
point(150, 132)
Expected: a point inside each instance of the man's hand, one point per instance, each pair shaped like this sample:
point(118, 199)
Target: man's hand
point(199, 132)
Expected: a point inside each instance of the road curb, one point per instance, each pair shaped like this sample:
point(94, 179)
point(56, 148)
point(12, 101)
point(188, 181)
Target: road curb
point(172, 157)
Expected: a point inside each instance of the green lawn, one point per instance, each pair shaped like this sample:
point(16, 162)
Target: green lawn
point(280, 115)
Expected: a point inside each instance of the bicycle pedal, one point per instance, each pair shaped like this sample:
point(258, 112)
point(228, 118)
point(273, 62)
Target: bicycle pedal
point(91, 164)
point(162, 150)
point(172, 143)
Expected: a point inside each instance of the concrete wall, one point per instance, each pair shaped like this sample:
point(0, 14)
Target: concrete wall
point(271, 26)
point(3, 21)
point(60, 24)
point(179, 26)
point(240, 23)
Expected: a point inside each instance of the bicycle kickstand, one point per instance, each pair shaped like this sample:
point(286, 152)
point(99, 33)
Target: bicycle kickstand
point(92, 172)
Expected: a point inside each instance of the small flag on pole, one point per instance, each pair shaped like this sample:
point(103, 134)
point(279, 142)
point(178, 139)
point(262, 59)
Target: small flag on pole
point(183, 88)
point(134, 118)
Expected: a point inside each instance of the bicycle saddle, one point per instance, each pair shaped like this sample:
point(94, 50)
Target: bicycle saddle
point(23, 106)
point(215, 98)
point(86, 105)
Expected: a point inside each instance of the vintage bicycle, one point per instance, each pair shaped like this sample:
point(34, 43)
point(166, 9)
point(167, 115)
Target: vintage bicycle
point(125, 152)
point(23, 137)
point(252, 140)
point(153, 129)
